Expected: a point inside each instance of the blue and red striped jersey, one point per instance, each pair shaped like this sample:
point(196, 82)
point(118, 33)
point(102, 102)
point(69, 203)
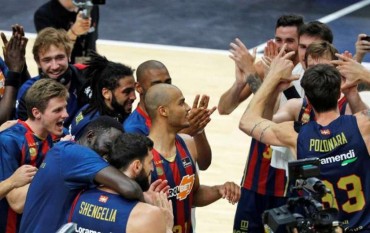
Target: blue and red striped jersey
point(259, 176)
point(180, 174)
point(137, 122)
point(18, 146)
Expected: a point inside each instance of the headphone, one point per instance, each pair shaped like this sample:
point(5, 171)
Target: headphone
point(64, 78)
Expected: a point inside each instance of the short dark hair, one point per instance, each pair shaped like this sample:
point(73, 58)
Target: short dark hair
point(102, 124)
point(127, 148)
point(321, 84)
point(289, 20)
point(148, 65)
point(317, 29)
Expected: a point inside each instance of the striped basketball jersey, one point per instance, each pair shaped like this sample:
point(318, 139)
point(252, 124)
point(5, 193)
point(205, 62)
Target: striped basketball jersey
point(19, 146)
point(137, 122)
point(307, 114)
point(344, 167)
point(95, 210)
point(258, 174)
point(180, 174)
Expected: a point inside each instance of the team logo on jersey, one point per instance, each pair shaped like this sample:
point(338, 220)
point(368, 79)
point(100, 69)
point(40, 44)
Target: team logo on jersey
point(159, 171)
point(33, 152)
point(325, 131)
point(103, 199)
point(305, 117)
point(79, 118)
point(183, 190)
point(186, 162)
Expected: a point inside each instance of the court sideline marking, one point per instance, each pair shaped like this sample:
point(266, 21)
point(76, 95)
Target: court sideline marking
point(325, 19)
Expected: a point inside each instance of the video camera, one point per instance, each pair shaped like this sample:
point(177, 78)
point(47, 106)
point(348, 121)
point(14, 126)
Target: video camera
point(87, 5)
point(304, 213)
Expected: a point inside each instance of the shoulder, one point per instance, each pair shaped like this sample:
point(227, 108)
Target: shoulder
point(15, 132)
point(363, 119)
point(44, 8)
point(27, 85)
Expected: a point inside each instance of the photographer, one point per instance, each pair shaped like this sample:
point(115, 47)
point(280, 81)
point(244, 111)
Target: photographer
point(340, 142)
point(63, 14)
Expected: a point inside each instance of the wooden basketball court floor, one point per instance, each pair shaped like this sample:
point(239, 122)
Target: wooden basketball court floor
point(194, 71)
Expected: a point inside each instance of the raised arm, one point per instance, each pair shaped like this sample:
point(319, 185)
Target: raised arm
point(362, 47)
point(352, 71)
point(288, 111)
point(245, 72)
point(199, 117)
point(252, 121)
point(14, 56)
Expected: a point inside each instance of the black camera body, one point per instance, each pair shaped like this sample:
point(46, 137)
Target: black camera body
point(87, 5)
point(304, 213)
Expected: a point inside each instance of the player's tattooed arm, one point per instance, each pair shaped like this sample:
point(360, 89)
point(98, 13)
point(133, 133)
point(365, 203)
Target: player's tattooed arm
point(254, 82)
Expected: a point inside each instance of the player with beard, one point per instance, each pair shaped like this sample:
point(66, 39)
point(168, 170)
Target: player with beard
point(70, 167)
point(131, 154)
point(28, 141)
point(113, 92)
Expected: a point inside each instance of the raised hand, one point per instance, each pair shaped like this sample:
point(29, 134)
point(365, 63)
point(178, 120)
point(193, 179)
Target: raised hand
point(271, 50)
point(352, 71)
point(199, 115)
point(81, 25)
point(242, 57)
point(14, 50)
point(362, 47)
point(161, 201)
point(156, 187)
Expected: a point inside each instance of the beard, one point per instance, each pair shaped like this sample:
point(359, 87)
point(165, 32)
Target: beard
point(143, 180)
point(119, 110)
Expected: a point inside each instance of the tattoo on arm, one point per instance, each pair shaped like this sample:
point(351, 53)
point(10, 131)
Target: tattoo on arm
point(254, 127)
point(254, 82)
point(263, 131)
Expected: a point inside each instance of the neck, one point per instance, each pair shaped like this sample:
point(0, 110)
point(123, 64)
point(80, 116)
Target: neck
point(164, 140)
point(325, 118)
point(141, 104)
point(109, 190)
point(37, 128)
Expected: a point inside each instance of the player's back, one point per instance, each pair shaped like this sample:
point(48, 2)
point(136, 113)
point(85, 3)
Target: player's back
point(344, 167)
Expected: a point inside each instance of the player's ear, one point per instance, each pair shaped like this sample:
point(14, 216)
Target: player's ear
point(36, 113)
point(163, 111)
point(90, 136)
point(107, 94)
point(137, 166)
point(139, 88)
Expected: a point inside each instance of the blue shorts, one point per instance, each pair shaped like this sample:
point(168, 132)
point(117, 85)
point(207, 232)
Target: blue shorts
point(248, 216)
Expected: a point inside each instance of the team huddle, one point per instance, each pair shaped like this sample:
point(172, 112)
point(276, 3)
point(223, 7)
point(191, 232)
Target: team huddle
point(78, 152)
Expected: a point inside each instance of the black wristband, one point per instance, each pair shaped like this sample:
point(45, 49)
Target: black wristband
point(13, 79)
point(291, 93)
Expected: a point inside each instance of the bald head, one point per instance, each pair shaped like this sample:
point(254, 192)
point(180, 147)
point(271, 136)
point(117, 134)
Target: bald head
point(148, 65)
point(159, 95)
